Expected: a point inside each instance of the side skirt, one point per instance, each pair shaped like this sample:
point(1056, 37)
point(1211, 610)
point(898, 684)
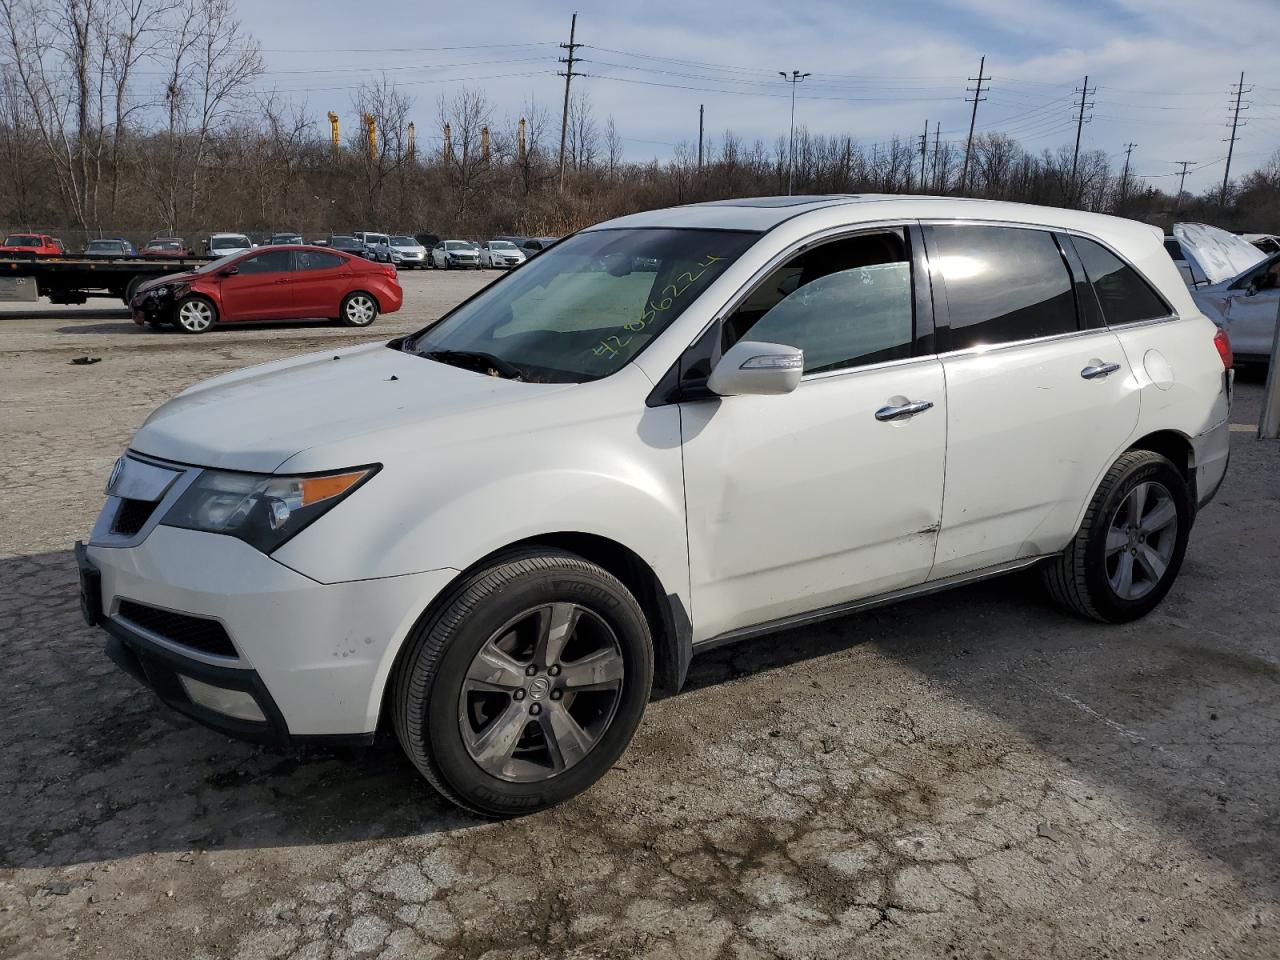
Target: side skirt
point(843, 609)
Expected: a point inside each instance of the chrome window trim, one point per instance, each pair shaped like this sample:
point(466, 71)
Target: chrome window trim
point(1033, 341)
point(867, 368)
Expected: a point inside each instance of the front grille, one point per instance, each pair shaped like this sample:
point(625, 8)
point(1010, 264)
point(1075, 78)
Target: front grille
point(199, 633)
point(132, 515)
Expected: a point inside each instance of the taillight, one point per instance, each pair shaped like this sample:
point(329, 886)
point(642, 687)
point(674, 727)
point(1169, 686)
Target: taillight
point(1223, 343)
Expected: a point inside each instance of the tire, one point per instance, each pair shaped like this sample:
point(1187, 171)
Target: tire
point(1088, 577)
point(451, 724)
point(131, 288)
point(156, 324)
point(195, 314)
point(359, 309)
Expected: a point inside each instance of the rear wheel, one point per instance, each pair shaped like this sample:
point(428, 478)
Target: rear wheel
point(1130, 547)
point(526, 685)
point(358, 309)
point(195, 314)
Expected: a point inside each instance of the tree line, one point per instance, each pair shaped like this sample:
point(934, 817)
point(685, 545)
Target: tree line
point(140, 118)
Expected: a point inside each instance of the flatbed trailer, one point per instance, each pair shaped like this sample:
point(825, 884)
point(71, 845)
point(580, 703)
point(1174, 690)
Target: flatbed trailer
point(75, 279)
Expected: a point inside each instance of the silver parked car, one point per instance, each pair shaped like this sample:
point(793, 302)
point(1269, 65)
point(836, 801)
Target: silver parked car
point(456, 255)
point(407, 253)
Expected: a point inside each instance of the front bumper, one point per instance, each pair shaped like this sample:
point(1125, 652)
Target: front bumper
point(314, 657)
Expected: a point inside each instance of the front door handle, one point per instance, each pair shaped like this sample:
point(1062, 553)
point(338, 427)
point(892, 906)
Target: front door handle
point(1095, 370)
point(885, 414)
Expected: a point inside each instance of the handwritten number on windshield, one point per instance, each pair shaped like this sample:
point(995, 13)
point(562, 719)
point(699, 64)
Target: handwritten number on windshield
point(669, 294)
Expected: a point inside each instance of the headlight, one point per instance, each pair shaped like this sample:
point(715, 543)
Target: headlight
point(263, 511)
point(159, 291)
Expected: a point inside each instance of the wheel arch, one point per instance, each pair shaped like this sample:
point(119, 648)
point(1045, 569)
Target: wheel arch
point(1174, 445)
point(668, 619)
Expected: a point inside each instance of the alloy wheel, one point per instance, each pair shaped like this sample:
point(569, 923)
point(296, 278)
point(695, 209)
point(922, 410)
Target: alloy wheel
point(541, 692)
point(1141, 539)
point(360, 310)
point(195, 316)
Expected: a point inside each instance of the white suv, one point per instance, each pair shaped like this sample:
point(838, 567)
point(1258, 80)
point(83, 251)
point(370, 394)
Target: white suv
point(669, 431)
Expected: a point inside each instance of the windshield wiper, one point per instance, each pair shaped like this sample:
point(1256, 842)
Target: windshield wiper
point(476, 360)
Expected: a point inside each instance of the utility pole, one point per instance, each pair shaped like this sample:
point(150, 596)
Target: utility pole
point(937, 146)
point(1124, 176)
point(1081, 120)
point(977, 99)
point(924, 150)
point(699, 138)
point(1183, 179)
point(1239, 92)
point(796, 77)
point(568, 75)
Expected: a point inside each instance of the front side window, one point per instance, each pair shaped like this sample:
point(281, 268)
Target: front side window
point(1124, 296)
point(846, 303)
point(590, 304)
point(273, 261)
point(1003, 284)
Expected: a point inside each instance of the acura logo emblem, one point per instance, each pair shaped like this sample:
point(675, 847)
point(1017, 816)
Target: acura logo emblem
point(115, 474)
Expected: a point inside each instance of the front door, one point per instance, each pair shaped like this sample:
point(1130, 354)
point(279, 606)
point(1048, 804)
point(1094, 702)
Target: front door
point(261, 288)
point(831, 493)
point(1036, 406)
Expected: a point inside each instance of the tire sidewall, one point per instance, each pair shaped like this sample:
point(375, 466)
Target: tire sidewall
point(177, 312)
point(1109, 604)
point(460, 772)
point(342, 309)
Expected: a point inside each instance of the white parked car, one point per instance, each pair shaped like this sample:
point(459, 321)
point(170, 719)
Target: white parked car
point(407, 253)
point(378, 244)
point(500, 254)
point(456, 255)
point(225, 244)
point(667, 432)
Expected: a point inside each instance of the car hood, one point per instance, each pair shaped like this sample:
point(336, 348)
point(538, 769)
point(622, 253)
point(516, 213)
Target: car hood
point(186, 276)
point(256, 419)
point(1215, 254)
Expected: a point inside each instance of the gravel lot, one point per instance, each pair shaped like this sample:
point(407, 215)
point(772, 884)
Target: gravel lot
point(970, 775)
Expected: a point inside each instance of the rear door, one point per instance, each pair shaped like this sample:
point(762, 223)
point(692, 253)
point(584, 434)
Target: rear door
point(1039, 396)
point(318, 283)
point(261, 289)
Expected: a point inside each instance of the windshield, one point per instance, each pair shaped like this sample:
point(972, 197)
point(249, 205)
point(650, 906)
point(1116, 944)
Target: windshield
point(105, 245)
point(456, 245)
point(587, 306)
point(22, 241)
point(164, 245)
point(501, 245)
point(403, 242)
point(229, 243)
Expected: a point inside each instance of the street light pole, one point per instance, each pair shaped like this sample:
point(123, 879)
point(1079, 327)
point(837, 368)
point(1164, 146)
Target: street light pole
point(795, 77)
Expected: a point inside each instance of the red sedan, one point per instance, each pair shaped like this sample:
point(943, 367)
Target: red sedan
point(35, 243)
point(273, 283)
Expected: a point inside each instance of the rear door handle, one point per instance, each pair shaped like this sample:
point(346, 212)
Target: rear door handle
point(905, 410)
point(1095, 370)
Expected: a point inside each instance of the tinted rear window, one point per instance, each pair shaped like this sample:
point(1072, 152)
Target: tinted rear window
point(1003, 284)
point(1125, 297)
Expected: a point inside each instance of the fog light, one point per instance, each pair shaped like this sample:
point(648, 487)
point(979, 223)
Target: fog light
point(233, 703)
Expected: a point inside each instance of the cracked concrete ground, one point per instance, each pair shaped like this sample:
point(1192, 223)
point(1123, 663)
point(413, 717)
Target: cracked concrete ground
point(968, 775)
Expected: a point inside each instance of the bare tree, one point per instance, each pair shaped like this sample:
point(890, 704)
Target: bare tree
point(584, 136)
point(468, 113)
point(613, 146)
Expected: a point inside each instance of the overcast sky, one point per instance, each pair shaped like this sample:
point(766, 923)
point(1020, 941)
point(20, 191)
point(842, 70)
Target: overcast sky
point(1163, 69)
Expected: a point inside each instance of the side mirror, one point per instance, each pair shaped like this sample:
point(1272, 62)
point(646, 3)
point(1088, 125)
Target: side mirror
point(761, 369)
point(231, 271)
point(1252, 289)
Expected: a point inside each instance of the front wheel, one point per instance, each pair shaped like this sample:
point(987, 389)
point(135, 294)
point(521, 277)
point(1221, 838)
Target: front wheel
point(358, 309)
point(1130, 546)
point(526, 685)
point(195, 314)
